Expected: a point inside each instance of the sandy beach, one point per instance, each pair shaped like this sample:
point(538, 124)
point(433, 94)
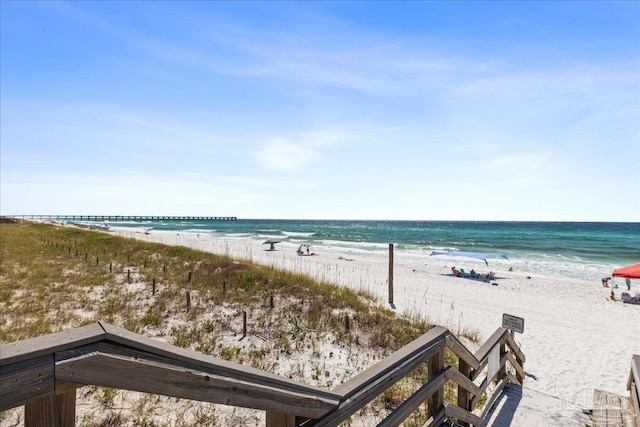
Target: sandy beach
point(575, 339)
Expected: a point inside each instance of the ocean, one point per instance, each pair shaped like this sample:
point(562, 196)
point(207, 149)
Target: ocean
point(587, 250)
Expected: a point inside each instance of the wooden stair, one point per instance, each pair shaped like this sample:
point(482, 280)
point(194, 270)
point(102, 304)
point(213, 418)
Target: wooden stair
point(612, 410)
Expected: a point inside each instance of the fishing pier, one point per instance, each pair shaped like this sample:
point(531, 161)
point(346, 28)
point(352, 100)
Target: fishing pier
point(123, 218)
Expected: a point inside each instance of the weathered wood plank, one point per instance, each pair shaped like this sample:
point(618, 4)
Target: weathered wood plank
point(515, 349)
point(487, 381)
point(461, 351)
point(52, 411)
point(610, 409)
point(48, 344)
point(635, 404)
point(276, 419)
point(454, 411)
point(201, 361)
point(26, 381)
point(40, 413)
point(436, 419)
point(633, 385)
point(406, 408)
point(152, 377)
point(519, 371)
point(493, 340)
point(465, 386)
point(433, 339)
point(460, 379)
point(634, 373)
point(436, 365)
point(370, 389)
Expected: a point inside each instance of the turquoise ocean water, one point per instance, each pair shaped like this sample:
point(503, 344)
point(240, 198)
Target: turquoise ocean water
point(570, 249)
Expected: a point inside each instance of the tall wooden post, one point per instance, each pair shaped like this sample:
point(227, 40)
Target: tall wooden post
point(244, 324)
point(436, 364)
point(276, 419)
point(464, 397)
point(53, 411)
point(390, 273)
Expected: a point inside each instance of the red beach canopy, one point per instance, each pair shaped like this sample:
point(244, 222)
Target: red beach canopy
point(630, 271)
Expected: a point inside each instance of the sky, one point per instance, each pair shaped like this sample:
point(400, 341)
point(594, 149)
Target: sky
point(517, 111)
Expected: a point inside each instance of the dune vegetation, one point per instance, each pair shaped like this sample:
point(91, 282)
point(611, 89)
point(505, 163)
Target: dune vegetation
point(55, 278)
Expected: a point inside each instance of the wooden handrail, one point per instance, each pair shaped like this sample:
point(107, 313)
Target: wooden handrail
point(34, 371)
point(633, 385)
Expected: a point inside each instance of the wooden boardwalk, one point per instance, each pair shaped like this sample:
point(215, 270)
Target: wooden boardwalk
point(612, 410)
point(43, 373)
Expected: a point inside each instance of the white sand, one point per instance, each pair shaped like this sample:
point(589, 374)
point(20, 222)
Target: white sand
point(574, 340)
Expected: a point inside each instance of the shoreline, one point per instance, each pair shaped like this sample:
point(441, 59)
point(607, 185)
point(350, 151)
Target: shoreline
point(574, 338)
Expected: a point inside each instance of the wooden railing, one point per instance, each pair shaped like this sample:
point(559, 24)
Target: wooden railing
point(633, 385)
point(43, 374)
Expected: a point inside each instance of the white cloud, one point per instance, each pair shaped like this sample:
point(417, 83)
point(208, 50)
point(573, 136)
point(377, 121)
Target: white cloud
point(283, 155)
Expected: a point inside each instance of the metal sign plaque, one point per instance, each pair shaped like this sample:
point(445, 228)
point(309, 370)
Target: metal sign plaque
point(514, 323)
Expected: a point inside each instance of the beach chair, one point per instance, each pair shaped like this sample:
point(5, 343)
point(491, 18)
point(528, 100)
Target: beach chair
point(464, 273)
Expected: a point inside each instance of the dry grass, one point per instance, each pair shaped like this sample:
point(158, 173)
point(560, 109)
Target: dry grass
point(56, 278)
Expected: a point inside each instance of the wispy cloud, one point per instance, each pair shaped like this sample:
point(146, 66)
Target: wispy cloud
point(284, 155)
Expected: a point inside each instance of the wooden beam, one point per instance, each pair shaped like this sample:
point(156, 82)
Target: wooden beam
point(26, 381)
point(493, 340)
point(430, 342)
point(372, 386)
point(52, 411)
point(434, 385)
point(131, 373)
point(48, 344)
point(465, 385)
point(460, 414)
point(461, 351)
point(276, 419)
point(150, 348)
point(436, 419)
point(436, 364)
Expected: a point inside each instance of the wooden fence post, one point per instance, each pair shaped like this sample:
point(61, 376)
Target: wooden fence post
point(53, 411)
point(390, 273)
point(153, 287)
point(276, 419)
point(188, 300)
point(244, 324)
point(464, 397)
point(436, 364)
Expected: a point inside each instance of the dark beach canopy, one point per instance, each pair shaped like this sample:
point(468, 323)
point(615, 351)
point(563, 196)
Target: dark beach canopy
point(629, 272)
point(479, 255)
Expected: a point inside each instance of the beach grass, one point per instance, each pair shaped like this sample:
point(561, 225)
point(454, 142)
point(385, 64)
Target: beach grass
point(56, 278)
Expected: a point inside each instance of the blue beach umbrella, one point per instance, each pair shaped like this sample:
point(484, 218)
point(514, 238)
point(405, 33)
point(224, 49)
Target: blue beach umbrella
point(478, 255)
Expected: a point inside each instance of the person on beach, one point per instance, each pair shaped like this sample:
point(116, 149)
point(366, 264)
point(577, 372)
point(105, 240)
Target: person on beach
point(605, 282)
point(456, 272)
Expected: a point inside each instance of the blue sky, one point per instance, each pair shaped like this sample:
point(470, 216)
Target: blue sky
point(326, 110)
